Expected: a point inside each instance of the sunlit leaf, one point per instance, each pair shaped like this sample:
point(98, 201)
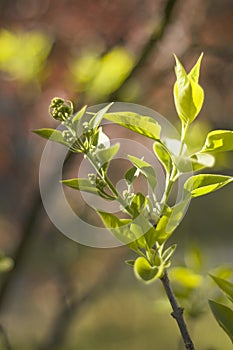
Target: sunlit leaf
point(199, 185)
point(143, 125)
point(218, 141)
point(52, 135)
point(188, 94)
point(144, 271)
point(146, 169)
point(131, 175)
point(164, 156)
point(81, 185)
point(168, 253)
point(97, 118)
point(195, 162)
point(224, 317)
point(195, 71)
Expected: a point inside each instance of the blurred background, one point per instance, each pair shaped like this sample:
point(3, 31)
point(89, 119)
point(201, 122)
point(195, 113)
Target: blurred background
point(59, 294)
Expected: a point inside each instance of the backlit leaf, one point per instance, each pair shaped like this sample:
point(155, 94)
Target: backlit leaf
point(199, 185)
point(218, 141)
point(144, 271)
point(143, 125)
point(226, 286)
point(146, 169)
point(52, 135)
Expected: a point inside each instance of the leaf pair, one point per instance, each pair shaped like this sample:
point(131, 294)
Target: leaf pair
point(188, 94)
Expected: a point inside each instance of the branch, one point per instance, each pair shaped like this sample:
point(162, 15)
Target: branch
point(177, 312)
point(154, 39)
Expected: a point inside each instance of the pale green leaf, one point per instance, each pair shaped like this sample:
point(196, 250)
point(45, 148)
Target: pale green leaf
point(104, 155)
point(81, 185)
point(164, 156)
point(167, 254)
point(195, 162)
point(146, 169)
point(195, 71)
point(52, 135)
point(224, 317)
point(96, 120)
point(137, 203)
point(199, 185)
point(218, 141)
point(188, 94)
point(77, 118)
point(119, 228)
point(143, 125)
point(226, 286)
point(144, 271)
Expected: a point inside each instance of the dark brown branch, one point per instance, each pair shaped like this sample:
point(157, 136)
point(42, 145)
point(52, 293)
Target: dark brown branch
point(177, 312)
point(154, 39)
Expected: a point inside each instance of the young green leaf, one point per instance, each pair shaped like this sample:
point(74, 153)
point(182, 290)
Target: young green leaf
point(144, 271)
point(224, 317)
point(164, 156)
point(119, 228)
point(218, 141)
point(224, 285)
point(143, 125)
point(195, 162)
point(52, 135)
point(195, 71)
point(77, 117)
point(137, 203)
point(131, 175)
point(198, 185)
point(96, 120)
point(106, 154)
point(81, 185)
point(188, 94)
point(146, 169)
point(168, 253)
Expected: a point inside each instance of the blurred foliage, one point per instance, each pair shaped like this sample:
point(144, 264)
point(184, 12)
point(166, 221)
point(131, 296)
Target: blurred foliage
point(98, 75)
point(6, 263)
point(23, 54)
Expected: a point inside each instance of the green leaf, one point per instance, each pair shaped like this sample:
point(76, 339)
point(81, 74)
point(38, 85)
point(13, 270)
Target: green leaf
point(144, 271)
point(167, 254)
point(146, 169)
point(6, 263)
point(224, 317)
point(224, 285)
point(218, 141)
point(164, 156)
point(188, 94)
point(77, 117)
point(195, 71)
point(137, 203)
point(119, 228)
point(143, 125)
point(96, 120)
point(106, 154)
point(130, 262)
point(130, 175)
point(52, 135)
point(198, 185)
point(81, 185)
point(195, 162)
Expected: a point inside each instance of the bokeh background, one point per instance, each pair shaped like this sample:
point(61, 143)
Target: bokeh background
point(61, 295)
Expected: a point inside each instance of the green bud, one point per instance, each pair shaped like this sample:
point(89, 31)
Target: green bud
point(61, 109)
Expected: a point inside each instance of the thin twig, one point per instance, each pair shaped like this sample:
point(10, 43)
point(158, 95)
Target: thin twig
point(177, 312)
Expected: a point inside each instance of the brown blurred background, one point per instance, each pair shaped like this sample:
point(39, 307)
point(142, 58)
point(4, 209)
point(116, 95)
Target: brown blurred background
point(61, 295)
